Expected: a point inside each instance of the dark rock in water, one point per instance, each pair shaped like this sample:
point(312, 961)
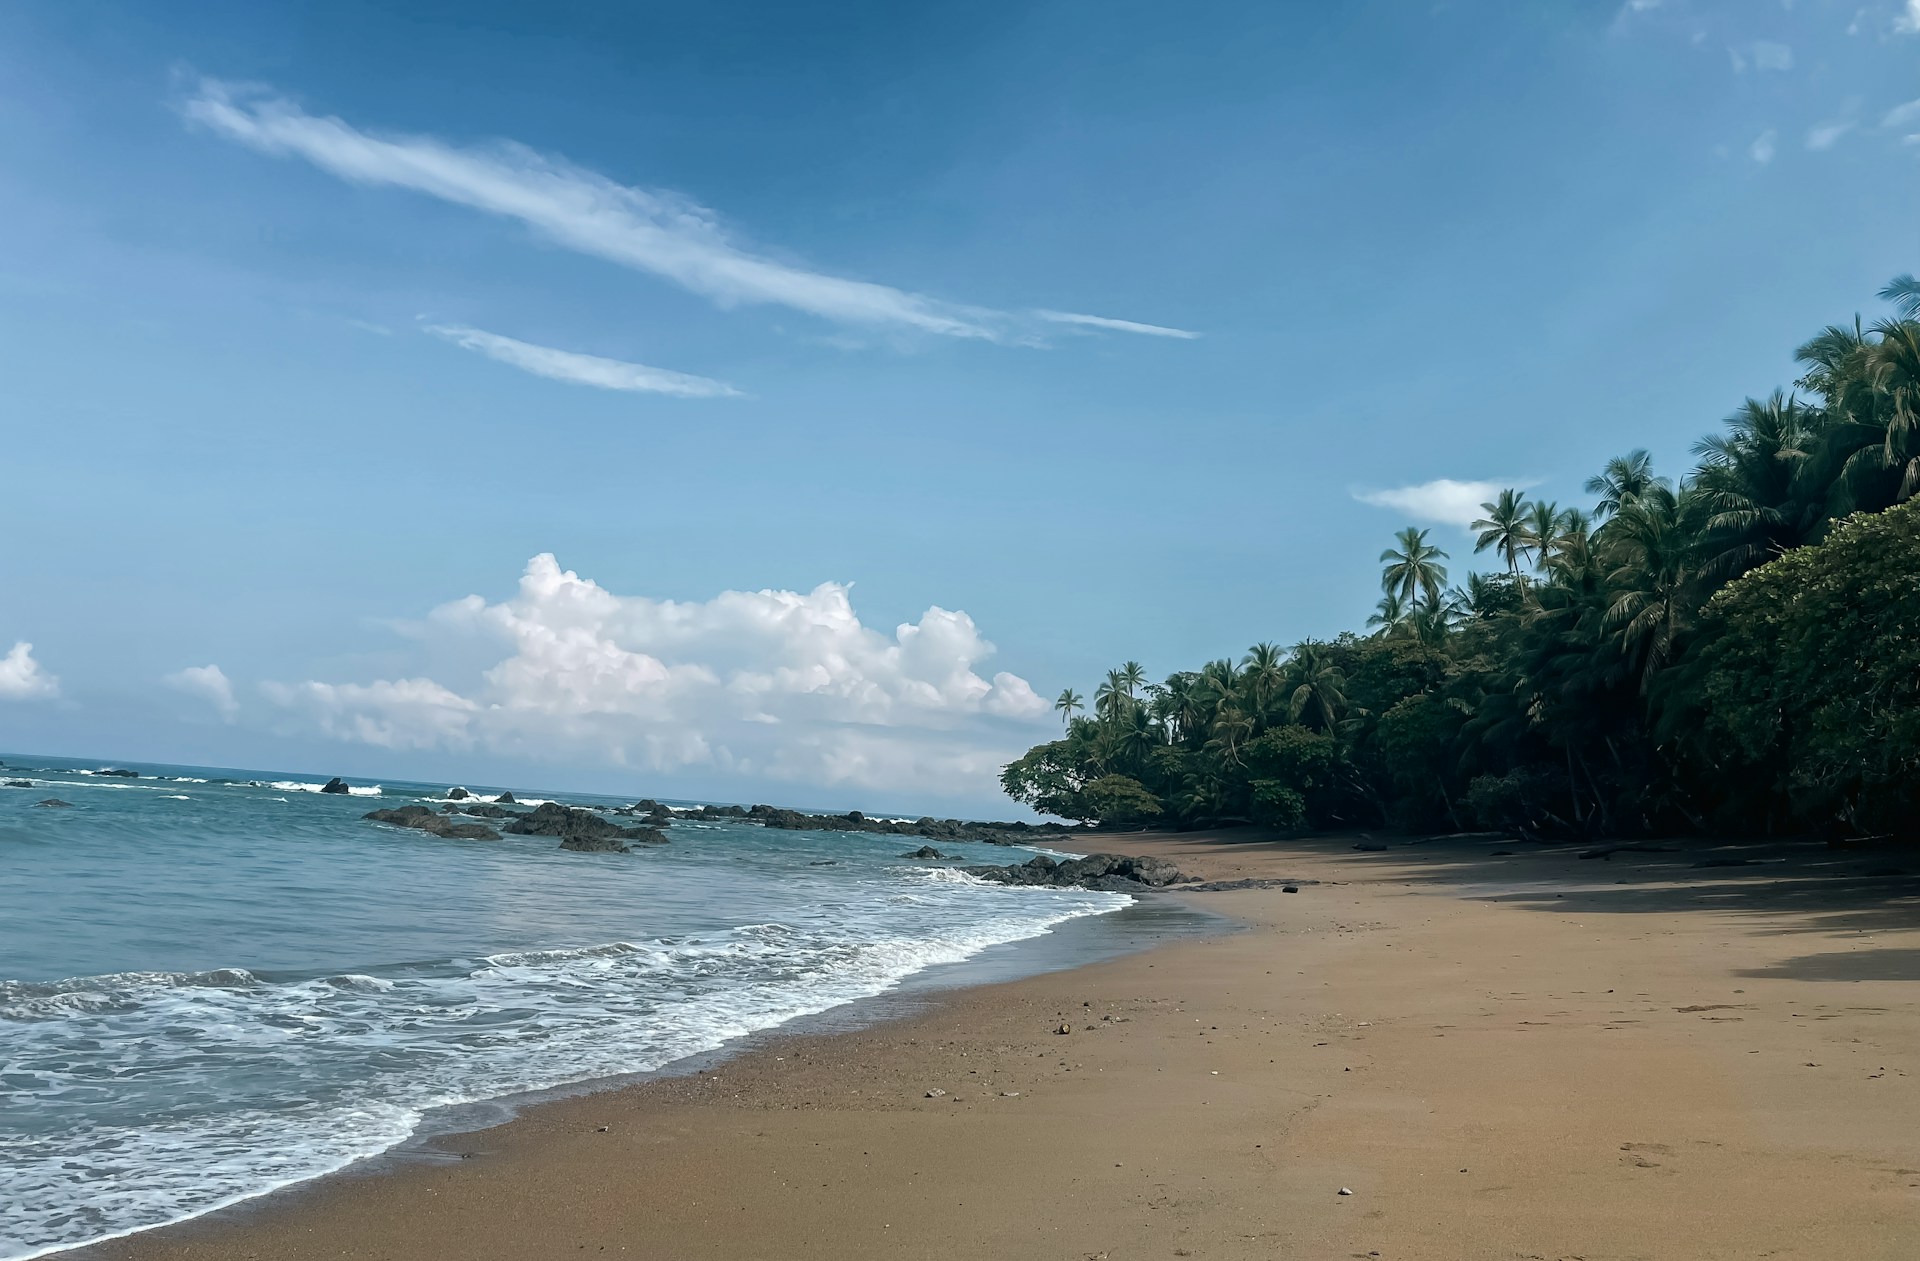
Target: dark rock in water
point(505, 799)
point(925, 851)
point(54, 803)
point(483, 811)
point(336, 785)
point(928, 828)
point(1117, 873)
point(581, 829)
point(118, 772)
point(646, 805)
point(458, 794)
point(19, 783)
point(595, 844)
point(421, 819)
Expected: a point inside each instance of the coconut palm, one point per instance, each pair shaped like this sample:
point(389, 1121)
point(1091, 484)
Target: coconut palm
point(1389, 613)
point(1320, 688)
point(1112, 699)
point(1652, 583)
point(1414, 569)
point(1504, 528)
point(1904, 293)
point(1068, 703)
point(1625, 479)
point(1263, 671)
point(1542, 526)
point(1751, 485)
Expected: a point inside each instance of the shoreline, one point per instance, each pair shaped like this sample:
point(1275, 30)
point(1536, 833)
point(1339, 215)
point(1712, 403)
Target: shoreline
point(1139, 1135)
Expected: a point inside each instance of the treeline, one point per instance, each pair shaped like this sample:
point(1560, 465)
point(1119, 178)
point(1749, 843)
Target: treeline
point(1737, 652)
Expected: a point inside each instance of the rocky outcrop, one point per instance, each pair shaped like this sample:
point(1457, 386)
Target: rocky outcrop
point(421, 819)
point(1117, 873)
point(925, 851)
point(928, 828)
point(505, 799)
point(336, 786)
point(54, 803)
point(19, 783)
point(652, 811)
point(118, 772)
point(582, 829)
point(481, 810)
point(458, 794)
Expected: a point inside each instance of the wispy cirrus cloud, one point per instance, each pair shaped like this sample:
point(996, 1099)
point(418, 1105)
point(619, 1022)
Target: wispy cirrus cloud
point(578, 369)
point(1444, 500)
point(24, 679)
point(1118, 326)
point(661, 233)
point(1827, 135)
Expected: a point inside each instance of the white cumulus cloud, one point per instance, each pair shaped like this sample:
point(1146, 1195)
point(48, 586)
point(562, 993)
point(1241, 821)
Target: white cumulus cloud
point(1763, 146)
point(1908, 22)
point(765, 684)
point(1444, 500)
point(662, 233)
point(579, 369)
point(209, 683)
point(24, 679)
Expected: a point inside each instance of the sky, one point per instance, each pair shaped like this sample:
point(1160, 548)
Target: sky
point(784, 402)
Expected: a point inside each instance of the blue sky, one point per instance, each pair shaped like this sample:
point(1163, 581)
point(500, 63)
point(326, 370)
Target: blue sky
point(321, 319)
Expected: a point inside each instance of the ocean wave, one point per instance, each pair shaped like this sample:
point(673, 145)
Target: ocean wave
point(355, 1059)
point(303, 786)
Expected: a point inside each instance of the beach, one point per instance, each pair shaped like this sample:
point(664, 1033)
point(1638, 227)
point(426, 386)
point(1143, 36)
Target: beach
point(1431, 1050)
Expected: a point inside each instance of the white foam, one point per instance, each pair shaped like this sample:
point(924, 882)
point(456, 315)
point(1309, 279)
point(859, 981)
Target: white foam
point(302, 786)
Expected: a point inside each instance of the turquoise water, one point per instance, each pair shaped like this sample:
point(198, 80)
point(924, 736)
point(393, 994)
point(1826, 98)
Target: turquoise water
point(217, 982)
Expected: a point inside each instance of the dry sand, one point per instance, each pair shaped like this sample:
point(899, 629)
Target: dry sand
point(1531, 1056)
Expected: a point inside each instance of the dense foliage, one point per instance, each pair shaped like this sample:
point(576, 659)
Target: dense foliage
point(1739, 652)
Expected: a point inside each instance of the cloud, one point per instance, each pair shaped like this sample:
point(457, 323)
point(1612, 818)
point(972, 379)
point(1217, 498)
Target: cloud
point(1902, 115)
point(210, 683)
point(578, 369)
point(661, 233)
point(1443, 499)
point(760, 684)
point(22, 678)
point(1120, 326)
point(1762, 148)
point(1827, 135)
point(1908, 23)
point(1768, 56)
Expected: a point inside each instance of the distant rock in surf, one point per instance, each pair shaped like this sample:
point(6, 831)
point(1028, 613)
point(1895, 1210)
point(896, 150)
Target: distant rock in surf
point(118, 772)
point(925, 851)
point(458, 794)
point(19, 783)
point(54, 803)
point(421, 819)
point(582, 830)
point(505, 799)
point(336, 786)
point(854, 821)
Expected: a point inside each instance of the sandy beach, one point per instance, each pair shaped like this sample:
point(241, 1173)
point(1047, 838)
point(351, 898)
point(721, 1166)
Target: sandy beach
point(1530, 1055)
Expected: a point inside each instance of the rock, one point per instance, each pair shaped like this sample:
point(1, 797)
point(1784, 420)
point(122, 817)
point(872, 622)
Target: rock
point(19, 783)
point(1345, 1191)
point(595, 844)
point(484, 811)
point(925, 851)
point(336, 786)
point(1289, 888)
point(936, 1094)
point(1116, 873)
point(118, 772)
point(928, 828)
point(421, 819)
point(505, 799)
point(1065, 1027)
point(54, 803)
point(458, 794)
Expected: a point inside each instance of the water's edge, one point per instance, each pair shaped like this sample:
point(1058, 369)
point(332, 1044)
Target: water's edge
point(1150, 921)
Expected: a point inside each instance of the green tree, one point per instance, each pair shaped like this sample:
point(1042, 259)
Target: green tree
point(1504, 528)
point(1413, 569)
point(1068, 703)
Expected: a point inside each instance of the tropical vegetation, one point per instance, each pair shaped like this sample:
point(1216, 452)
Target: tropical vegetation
point(1737, 651)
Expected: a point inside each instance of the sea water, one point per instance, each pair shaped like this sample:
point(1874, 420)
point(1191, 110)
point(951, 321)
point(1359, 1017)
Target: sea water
point(214, 983)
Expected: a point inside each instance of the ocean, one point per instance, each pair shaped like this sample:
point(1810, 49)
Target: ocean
point(214, 983)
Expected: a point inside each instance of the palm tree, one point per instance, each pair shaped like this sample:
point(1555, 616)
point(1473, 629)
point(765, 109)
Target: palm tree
point(1133, 676)
point(1320, 688)
point(1625, 479)
point(1904, 293)
point(1111, 698)
point(1068, 703)
point(1263, 670)
point(1751, 486)
point(1652, 582)
point(1391, 611)
point(1504, 528)
point(1542, 527)
point(1414, 569)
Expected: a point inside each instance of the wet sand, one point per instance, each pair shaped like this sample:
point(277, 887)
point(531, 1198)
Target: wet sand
point(1501, 1056)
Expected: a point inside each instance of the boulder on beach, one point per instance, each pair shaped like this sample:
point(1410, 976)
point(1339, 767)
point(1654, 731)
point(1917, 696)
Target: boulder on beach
point(336, 786)
point(421, 819)
point(1118, 873)
point(54, 803)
